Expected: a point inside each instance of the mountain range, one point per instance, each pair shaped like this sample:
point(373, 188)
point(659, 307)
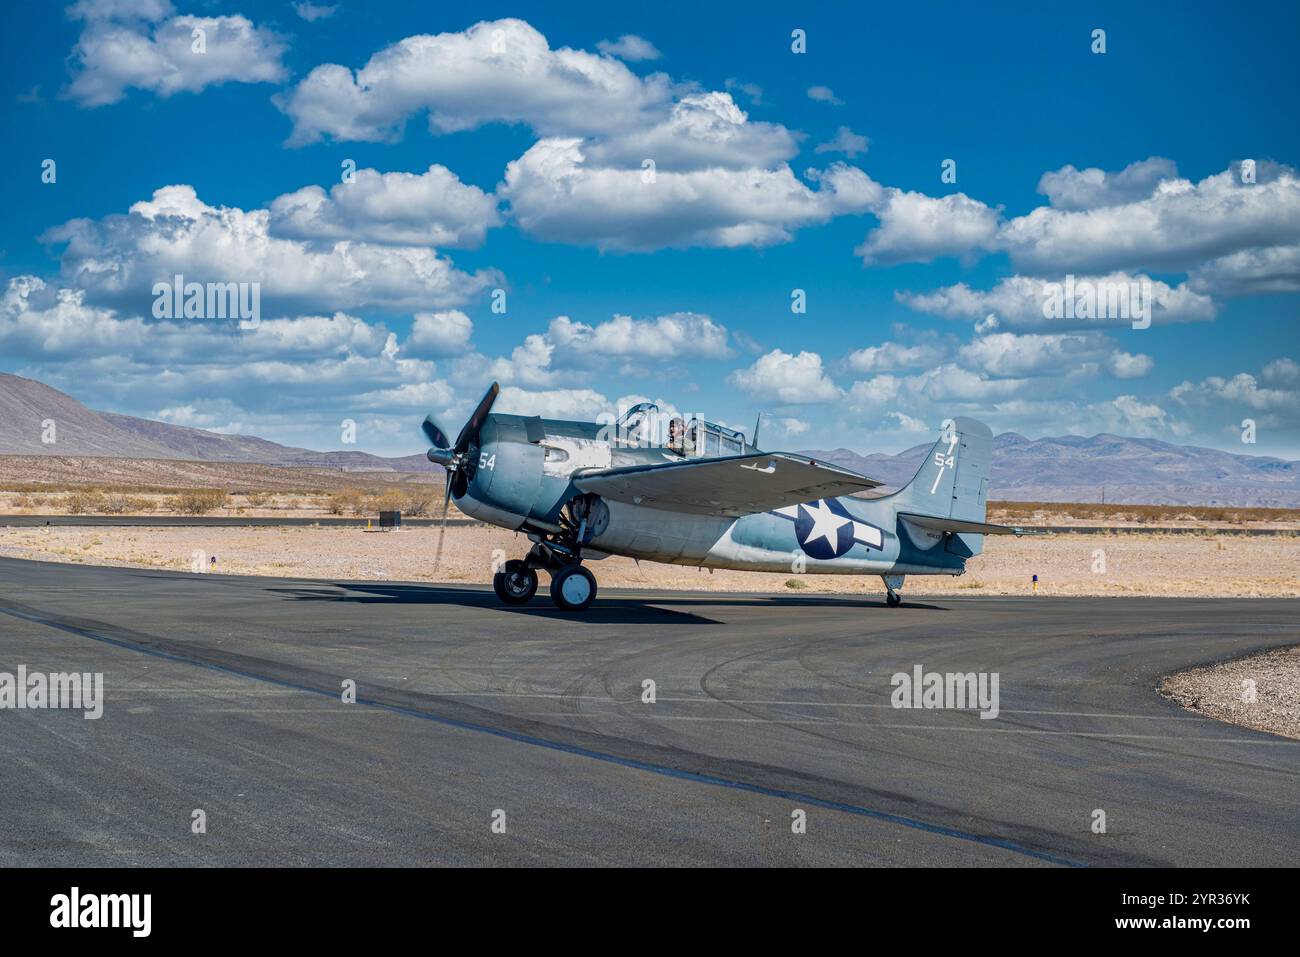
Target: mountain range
point(1109, 468)
point(1066, 468)
point(26, 403)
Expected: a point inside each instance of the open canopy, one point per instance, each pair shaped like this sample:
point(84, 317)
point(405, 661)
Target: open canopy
point(645, 424)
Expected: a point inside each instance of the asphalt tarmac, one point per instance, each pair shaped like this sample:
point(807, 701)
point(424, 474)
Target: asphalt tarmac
point(483, 734)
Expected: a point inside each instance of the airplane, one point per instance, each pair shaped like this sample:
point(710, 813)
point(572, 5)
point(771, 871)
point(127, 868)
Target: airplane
point(707, 497)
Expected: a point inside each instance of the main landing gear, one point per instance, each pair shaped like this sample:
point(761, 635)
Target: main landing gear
point(573, 588)
point(892, 584)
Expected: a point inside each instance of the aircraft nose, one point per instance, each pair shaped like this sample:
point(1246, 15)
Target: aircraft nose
point(482, 463)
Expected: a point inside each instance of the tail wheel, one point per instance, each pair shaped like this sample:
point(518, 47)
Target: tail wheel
point(573, 588)
point(516, 583)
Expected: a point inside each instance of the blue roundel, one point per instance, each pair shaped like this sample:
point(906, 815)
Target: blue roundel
point(824, 528)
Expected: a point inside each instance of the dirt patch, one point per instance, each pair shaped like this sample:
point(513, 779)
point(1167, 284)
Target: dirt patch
point(1260, 692)
point(1128, 564)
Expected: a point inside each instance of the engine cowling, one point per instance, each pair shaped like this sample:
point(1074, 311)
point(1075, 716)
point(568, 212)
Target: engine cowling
point(503, 475)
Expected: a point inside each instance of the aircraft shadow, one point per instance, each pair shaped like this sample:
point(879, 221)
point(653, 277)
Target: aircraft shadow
point(606, 610)
point(610, 611)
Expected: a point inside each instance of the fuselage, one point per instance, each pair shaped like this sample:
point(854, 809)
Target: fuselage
point(522, 479)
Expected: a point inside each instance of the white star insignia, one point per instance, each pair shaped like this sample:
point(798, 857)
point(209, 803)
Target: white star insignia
point(826, 524)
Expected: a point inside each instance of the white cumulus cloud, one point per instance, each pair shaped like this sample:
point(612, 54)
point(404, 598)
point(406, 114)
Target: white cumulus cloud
point(1074, 189)
point(118, 259)
point(432, 208)
point(893, 357)
point(915, 227)
point(311, 12)
point(1178, 227)
point(496, 71)
point(845, 141)
point(1018, 301)
point(824, 94)
point(556, 195)
point(789, 379)
point(685, 336)
point(629, 47)
point(443, 333)
point(145, 46)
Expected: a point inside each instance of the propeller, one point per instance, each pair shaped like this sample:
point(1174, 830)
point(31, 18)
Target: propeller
point(453, 457)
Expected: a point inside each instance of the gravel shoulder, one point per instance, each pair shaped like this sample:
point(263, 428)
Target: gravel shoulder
point(1260, 692)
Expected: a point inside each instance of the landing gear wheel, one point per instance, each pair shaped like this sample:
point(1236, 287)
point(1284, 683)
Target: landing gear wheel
point(892, 583)
point(573, 588)
point(515, 583)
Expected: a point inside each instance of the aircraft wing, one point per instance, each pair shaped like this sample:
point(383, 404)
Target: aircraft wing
point(733, 485)
point(958, 525)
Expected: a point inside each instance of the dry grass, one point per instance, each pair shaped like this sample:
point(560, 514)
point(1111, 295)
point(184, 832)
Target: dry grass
point(83, 500)
point(413, 501)
point(55, 485)
point(200, 501)
point(53, 473)
point(1037, 512)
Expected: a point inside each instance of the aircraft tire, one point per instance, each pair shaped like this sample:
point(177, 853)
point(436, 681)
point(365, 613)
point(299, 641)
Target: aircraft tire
point(893, 599)
point(573, 588)
point(516, 583)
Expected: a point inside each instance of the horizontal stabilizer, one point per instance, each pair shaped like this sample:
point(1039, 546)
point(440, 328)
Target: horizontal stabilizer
point(961, 526)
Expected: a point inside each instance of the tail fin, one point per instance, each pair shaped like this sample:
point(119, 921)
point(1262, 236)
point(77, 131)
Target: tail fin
point(953, 481)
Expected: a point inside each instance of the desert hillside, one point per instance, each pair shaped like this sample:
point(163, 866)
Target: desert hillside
point(1066, 468)
point(26, 406)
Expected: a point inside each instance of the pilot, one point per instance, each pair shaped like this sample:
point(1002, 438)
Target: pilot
point(678, 439)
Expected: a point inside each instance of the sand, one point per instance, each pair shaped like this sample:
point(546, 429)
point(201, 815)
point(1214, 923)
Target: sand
point(1127, 564)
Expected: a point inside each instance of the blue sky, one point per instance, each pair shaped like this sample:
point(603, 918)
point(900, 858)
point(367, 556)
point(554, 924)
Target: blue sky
point(504, 147)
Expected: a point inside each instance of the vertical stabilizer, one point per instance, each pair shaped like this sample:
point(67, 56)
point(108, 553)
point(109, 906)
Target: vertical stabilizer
point(953, 480)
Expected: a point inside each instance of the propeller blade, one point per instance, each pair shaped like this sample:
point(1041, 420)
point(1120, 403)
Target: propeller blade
point(437, 438)
point(442, 526)
point(449, 457)
point(476, 420)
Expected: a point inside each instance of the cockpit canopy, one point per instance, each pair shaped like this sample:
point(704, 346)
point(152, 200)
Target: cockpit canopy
point(646, 425)
point(640, 425)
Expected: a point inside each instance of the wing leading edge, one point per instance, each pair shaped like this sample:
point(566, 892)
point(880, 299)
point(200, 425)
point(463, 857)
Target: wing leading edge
point(735, 485)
